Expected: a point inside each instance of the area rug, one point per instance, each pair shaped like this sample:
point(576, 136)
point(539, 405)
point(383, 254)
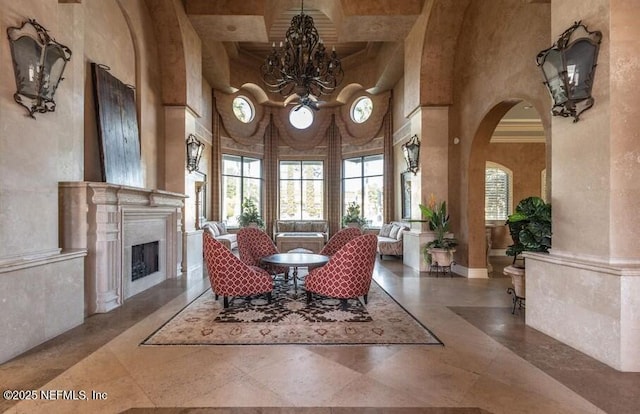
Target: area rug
point(288, 319)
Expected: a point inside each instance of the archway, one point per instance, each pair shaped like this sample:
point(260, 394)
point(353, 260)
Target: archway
point(511, 134)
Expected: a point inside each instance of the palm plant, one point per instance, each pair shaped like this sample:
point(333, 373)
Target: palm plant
point(438, 219)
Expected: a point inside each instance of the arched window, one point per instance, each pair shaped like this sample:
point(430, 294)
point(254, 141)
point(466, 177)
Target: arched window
point(301, 117)
point(498, 192)
point(243, 109)
point(361, 109)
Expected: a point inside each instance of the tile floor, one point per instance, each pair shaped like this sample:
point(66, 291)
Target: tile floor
point(491, 362)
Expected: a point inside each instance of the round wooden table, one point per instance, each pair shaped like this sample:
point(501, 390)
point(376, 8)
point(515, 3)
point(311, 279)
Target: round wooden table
point(296, 260)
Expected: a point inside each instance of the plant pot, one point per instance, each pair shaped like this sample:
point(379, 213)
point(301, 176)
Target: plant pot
point(441, 257)
point(517, 279)
point(354, 224)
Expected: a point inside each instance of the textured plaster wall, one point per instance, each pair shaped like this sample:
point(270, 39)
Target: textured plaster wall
point(193, 59)
point(41, 291)
point(105, 30)
point(585, 293)
point(413, 45)
point(493, 63)
point(625, 129)
point(125, 26)
point(148, 90)
point(35, 154)
point(581, 156)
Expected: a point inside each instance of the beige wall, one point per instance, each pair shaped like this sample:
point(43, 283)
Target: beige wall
point(36, 153)
point(493, 65)
point(148, 90)
point(123, 25)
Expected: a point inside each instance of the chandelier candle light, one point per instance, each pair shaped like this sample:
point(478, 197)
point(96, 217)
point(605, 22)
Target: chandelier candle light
point(301, 64)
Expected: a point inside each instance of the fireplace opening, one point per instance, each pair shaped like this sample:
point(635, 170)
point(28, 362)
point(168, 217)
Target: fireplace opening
point(144, 260)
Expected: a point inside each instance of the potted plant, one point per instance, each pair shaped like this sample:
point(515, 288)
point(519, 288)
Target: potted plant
point(440, 250)
point(530, 229)
point(353, 218)
point(250, 215)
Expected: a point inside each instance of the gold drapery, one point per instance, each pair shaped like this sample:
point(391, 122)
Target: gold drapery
point(215, 195)
point(270, 176)
point(389, 179)
point(333, 176)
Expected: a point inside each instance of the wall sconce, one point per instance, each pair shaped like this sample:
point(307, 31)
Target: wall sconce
point(411, 151)
point(194, 152)
point(38, 64)
point(568, 68)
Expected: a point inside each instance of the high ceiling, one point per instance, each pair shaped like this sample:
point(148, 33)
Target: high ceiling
point(356, 28)
point(250, 27)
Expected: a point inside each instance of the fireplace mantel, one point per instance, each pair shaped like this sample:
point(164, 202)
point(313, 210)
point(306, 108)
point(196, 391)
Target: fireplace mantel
point(107, 219)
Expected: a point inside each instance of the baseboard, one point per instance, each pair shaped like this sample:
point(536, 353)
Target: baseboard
point(498, 252)
point(477, 273)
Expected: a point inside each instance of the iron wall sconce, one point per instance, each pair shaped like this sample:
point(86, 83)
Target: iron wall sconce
point(38, 64)
point(568, 68)
point(194, 152)
point(411, 152)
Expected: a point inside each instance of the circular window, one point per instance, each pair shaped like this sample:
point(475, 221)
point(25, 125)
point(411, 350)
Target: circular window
point(301, 117)
point(243, 109)
point(361, 109)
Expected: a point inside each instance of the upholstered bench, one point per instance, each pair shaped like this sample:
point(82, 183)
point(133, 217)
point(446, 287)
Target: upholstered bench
point(301, 226)
point(309, 242)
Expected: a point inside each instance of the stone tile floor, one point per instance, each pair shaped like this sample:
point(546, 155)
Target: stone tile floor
point(491, 362)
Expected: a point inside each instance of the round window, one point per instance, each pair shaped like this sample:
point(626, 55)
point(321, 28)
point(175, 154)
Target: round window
point(301, 117)
point(361, 109)
point(243, 109)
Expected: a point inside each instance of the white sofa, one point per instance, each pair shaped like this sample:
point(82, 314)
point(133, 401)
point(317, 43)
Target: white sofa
point(390, 238)
point(219, 231)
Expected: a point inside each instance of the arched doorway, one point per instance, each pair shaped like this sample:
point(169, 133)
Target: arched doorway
point(507, 160)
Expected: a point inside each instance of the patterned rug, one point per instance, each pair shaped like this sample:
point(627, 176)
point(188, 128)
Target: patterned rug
point(289, 320)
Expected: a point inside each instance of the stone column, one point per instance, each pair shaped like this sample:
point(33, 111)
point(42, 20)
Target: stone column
point(180, 121)
point(586, 292)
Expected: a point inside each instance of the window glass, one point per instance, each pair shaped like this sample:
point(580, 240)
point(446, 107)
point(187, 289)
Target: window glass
point(301, 117)
point(373, 165)
point(290, 170)
point(363, 183)
point(232, 202)
point(352, 167)
point(251, 167)
point(231, 165)
point(497, 194)
point(241, 179)
point(301, 190)
point(361, 109)
point(243, 109)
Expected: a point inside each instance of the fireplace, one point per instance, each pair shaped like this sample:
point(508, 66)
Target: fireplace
point(144, 260)
point(133, 238)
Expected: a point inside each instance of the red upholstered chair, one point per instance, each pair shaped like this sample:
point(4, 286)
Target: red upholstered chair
point(229, 276)
point(339, 239)
point(348, 273)
point(253, 245)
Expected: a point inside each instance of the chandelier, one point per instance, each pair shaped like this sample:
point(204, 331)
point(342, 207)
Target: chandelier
point(302, 64)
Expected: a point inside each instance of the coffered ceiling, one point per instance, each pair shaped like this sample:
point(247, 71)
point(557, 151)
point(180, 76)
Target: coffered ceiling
point(249, 27)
